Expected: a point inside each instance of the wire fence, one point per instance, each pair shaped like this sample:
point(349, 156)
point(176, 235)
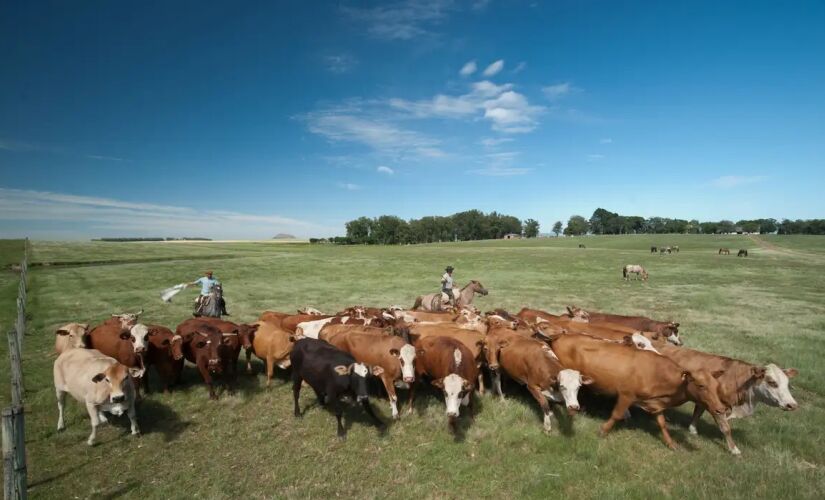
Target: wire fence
point(13, 417)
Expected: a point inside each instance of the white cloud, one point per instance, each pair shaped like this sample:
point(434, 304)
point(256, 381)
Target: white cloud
point(559, 90)
point(481, 4)
point(468, 69)
point(494, 68)
point(385, 170)
point(606, 140)
point(595, 157)
point(349, 186)
point(340, 63)
point(491, 142)
point(401, 20)
point(519, 67)
point(732, 181)
point(501, 164)
point(87, 216)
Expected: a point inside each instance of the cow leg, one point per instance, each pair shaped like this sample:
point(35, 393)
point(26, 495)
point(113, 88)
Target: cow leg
point(61, 403)
point(92, 409)
point(497, 384)
point(101, 417)
point(660, 419)
point(724, 426)
point(145, 380)
point(389, 386)
point(368, 408)
point(249, 361)
point(296, 392)
point(698, 410)
point(207, 379)
point(133, 419)
point(412, 396)
point(622, 404)
point(545, 406)
point(480, 381)
point(270, 370)
point(339, 412)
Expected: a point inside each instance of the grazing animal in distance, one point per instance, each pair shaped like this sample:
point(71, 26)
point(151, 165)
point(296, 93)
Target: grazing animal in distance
point(675, 249)
point(634, 269)
point(742, 253)
point(654, 249)
point(581, 245)
point(724, 251)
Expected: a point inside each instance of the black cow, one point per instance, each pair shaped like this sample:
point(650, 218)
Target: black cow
point(332, 373)
point(742, 253)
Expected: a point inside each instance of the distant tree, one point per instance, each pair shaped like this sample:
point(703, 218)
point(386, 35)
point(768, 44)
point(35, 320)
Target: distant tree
point(767, 226)
point(557, 227)
point(359, 230)
point(726, 226)
point(576, 225)
point(531, 228)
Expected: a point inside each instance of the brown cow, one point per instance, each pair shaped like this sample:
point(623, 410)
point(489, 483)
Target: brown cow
point(414, 316)
point(532, 364)
point(289, 323)
point(472, 340)
point(393, 355)
point(126, 344)
point(238, 335)
point(312, 328)
point(667, 329)
point(450, 366)
point(272, 344)
point(165, 353)
point(207, 348)
point(741, 385)
point(273, 317)
point(70, 336)
point(637, 377)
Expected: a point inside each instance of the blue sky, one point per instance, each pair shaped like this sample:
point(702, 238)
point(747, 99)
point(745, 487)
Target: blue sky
point(237, 120)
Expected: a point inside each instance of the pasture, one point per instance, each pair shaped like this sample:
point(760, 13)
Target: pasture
point(767, 307)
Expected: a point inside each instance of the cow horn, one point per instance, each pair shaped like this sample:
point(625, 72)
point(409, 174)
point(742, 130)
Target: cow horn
point(228, 334)
point(201, 333)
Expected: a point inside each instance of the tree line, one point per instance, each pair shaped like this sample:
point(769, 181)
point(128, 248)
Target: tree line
point(462, 226)
point(605, 222)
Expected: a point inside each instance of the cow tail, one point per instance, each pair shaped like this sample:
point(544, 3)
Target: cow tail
point(417, 302)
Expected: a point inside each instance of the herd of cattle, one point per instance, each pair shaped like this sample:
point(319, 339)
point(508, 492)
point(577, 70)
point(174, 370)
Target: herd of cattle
point(638, 361)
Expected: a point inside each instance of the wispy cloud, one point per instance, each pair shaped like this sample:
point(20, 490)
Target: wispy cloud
point(349, 186)
point(493, 171)
point(519, 68)
point(606, 140)
point(500, 164)
point(11, 145)
point(401, 20)
point(94, 216)
point(558, 91)
point(595, 157)
point(491, 142)
point(468, 69)
point(340, 63)
point(481, 4)
point(494, 68)
point(104, 158)
point(732, 181)
point(383, 169)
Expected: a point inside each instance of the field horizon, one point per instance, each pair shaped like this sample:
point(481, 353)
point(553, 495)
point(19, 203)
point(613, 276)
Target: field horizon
point(764, 308)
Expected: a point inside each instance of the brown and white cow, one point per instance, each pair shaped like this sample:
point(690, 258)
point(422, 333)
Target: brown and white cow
point(312, 328)
point(641, 378)
point(97, 381)
point(392, 354)
point(71, 336)
point(668, 329)
point(123, 339)
point(273, 317)
point(165, 354)
point(472, 340)
point(450, 366)
point(272, 344)
point(533, 364)
point(290, 323)
point(741, 386)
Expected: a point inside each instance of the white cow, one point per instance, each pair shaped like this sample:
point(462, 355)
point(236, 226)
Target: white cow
point(99, 382)
point(70, 336)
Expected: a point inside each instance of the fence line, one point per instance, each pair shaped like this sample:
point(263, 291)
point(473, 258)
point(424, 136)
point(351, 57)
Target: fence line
point(13, 417)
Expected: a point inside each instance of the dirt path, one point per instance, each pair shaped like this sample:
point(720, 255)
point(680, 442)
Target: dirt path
point(779, 249)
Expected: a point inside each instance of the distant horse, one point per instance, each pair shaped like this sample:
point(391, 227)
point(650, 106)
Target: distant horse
point(676, 249)
point(210, 305)
point(582, 246)
point(724, 251)
point(664, 250)
point(654, 249)
point(634, 269)
point(742, 253)
point(434, 302)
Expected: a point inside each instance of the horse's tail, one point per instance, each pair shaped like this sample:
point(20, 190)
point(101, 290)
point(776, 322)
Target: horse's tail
point(418, 301)
point(624, 272)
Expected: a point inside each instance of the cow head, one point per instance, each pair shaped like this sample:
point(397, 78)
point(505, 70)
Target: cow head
point(703, 387)
point(139, 336)
point(357, 374)
point(176, 347)
point(455, 390)
point(773, 386)
point(671, 333)
point(406, 357)
point(74, 334)
point(127, 321)
point(246, 333)
point(208, 346)
point(640, 342)
point(569, 382)
point(492, 348)
point(112, 385)
point(578, 314)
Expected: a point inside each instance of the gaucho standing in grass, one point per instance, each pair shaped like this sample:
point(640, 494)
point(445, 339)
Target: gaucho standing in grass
point(447, 285)
point(208, 284)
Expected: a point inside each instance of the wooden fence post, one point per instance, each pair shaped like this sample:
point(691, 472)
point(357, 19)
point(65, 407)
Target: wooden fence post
point(21, 322)
point(15, 482)
point(16, 369)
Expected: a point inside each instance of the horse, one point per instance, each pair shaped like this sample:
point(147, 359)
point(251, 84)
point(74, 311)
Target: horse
point(742, 253)
point(664, 249)
point(676, 249)
point(634, 269)
point(433, 302)
point(654, 249)
point(581, 245)
point(724, 251)
point(210, 305)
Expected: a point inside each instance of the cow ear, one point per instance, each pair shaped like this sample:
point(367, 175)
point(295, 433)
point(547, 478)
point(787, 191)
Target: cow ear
point(791, 372)
point(675, 325)
point(586, 380)
point(439, 382)
point(136, 372)
point(97, 378)
point(758, 372)
point(292, 338)
point(61, 332)
point(717, 373)
point(377, 371)
point(125, 335)
point(341, 370)
point(395, 352)
point(687, 377)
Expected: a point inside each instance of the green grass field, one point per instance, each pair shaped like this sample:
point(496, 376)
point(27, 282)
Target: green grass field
point(768, 307)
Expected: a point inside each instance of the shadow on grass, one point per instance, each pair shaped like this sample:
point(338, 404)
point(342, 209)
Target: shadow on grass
point(154, 417)
point(515, 391)
point(118, 492)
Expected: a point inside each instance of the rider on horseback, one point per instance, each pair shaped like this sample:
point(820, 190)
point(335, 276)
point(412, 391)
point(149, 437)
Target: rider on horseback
point(447, 286)
point(207, 282)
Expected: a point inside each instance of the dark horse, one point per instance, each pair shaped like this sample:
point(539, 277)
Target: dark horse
point(742, 253)
point(654, 249)
point(210, 305)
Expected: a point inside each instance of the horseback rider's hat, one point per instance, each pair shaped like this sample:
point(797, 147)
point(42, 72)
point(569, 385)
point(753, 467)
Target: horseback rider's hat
point(449, 269)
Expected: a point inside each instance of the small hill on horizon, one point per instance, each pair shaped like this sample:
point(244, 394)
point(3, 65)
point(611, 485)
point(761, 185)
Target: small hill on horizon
point(283, 236)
